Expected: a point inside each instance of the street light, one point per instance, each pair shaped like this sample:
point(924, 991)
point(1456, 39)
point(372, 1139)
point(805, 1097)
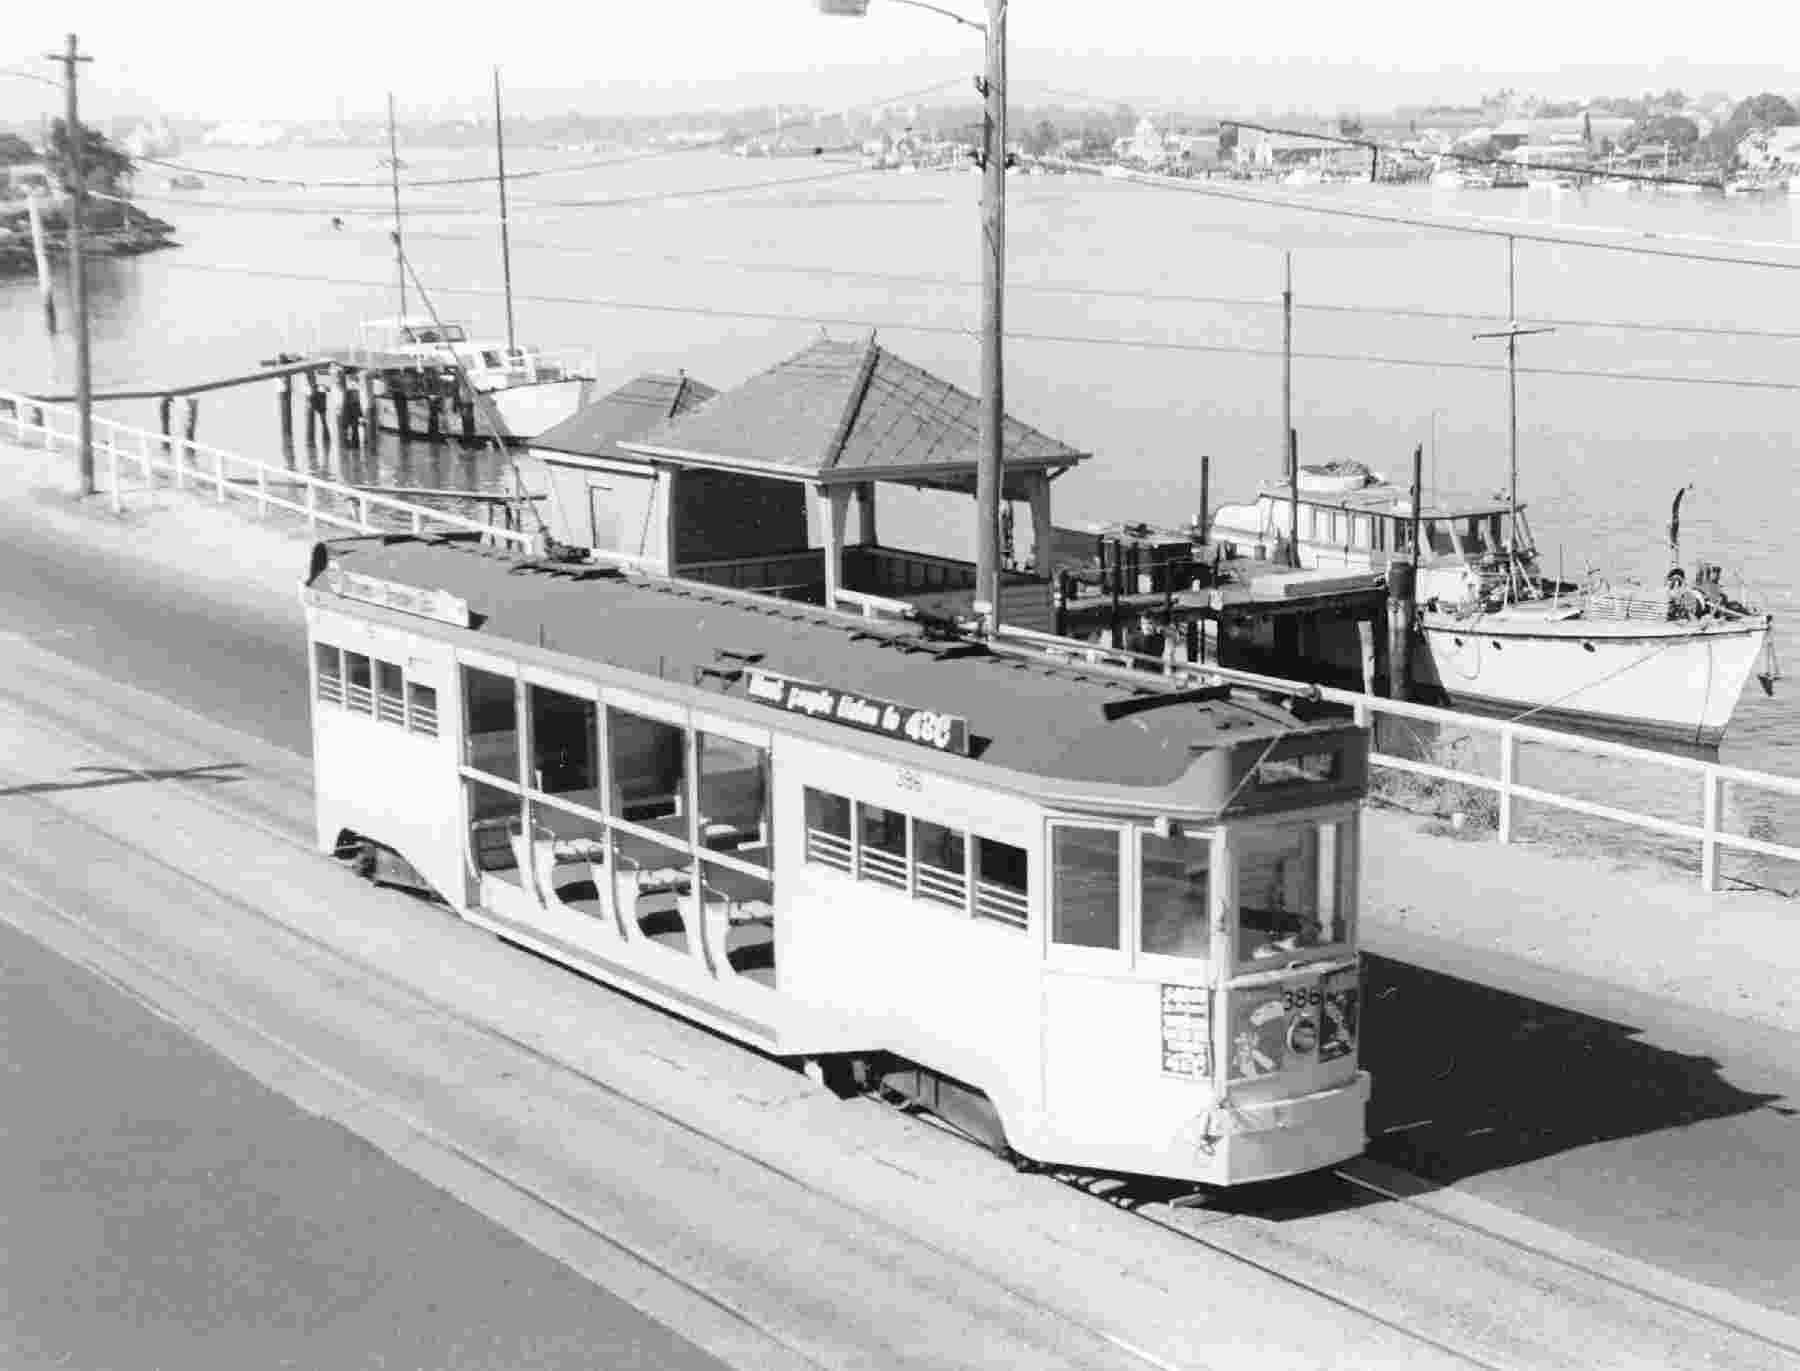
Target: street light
point(988, 473)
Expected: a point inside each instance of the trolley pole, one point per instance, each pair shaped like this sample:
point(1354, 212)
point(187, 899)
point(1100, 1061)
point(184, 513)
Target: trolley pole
point(77, 188)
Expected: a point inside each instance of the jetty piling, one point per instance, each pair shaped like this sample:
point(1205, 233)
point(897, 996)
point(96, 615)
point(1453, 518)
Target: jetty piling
point(164, 405)
point(286, 411)
point(1402, 590)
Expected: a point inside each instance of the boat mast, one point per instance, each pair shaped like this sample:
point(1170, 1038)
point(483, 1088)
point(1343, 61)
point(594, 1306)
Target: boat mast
point(1290, 456)
point(505, 239)
point(394, 177)
point(1512, 333)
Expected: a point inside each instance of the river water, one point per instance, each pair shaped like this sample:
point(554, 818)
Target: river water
point(1144, 327)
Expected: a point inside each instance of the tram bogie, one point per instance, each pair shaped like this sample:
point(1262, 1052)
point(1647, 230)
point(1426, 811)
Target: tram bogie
point(1118, 940)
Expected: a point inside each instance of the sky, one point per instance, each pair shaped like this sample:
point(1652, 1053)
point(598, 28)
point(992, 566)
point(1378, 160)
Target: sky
point(205, 59)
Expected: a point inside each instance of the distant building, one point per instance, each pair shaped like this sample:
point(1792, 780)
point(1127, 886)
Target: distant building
point(1147, 144)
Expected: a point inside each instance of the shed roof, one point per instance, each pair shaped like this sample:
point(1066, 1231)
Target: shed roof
point(633, 409)
point(850, 411)
point(1031, 715)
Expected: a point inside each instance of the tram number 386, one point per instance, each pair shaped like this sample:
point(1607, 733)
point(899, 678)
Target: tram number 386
point(1301, 997)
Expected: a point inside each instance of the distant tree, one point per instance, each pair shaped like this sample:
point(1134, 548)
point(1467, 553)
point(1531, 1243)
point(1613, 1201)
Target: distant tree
point(1042, 139)
point(1124, 121)
point(1228, 140)
point(104, 168)
point(1765, 111)
point(1350, 126)
point(1673, 99)
point(1677, 130)
point(15, 150)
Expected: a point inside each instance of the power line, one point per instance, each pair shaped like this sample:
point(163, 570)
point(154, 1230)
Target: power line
point(629, 159)
point(426, 211)
point(1143, 296)
point(1084, 340)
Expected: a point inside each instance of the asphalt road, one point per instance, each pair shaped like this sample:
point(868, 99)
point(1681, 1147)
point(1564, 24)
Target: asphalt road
point(1664, 1133)
point(159, 1206)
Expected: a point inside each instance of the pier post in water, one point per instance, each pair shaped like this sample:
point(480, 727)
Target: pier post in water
point(1402, 588)
point(465, 412)
point(164, 404)
point(397, 392)
point(285, 407)
point(365, 386)
point(434, 415)
point(312, 410)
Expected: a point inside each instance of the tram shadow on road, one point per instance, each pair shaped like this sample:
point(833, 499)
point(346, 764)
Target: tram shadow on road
point(1470, 1079)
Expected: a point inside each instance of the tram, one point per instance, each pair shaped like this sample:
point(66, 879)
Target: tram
point(1098, 922)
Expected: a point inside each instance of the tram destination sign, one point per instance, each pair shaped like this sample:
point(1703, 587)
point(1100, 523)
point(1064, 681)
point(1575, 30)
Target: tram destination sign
point(430, 604)
point(926, 727)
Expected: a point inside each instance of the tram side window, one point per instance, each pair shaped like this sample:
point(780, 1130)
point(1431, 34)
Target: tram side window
point(564, 747)
point(881, 856)
point(649, 766)
point(827, 829)
point(1175, 894)
point(359, 692)
point(330, 665)
point(492, 714)
point(1084, 886)
point(734, 797)
point(390, 694)
point(940, 865)
point(421, 709)
point(1001, 882)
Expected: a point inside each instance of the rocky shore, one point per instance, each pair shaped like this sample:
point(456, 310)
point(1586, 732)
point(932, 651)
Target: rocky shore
point(110, 231)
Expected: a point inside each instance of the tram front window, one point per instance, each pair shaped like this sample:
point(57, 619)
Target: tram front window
point(1292, 890)
point(1175, 894)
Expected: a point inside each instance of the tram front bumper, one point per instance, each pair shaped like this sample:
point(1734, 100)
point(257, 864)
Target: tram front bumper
point(1269, 1139)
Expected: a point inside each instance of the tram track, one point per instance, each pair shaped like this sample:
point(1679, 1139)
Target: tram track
point(277, 821)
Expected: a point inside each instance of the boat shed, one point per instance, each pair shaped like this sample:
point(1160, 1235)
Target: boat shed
point(595, 494)
point(733, 478)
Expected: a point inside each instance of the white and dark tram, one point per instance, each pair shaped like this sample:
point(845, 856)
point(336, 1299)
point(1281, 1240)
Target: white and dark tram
point(1097, 922)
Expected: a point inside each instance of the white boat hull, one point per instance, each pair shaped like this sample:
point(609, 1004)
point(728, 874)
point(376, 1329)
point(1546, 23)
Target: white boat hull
point(1680, 679)
point(518, 413)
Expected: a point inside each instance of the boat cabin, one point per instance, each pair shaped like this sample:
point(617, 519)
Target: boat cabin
point(1350, 517)
point(490, 364)
point(754, 488)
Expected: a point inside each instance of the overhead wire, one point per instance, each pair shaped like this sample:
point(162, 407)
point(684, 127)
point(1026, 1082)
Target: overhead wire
point(1141, 296)
point(530, 173)
point(1023, 335)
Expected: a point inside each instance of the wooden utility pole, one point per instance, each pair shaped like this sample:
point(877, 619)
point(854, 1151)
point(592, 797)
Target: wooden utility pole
point(77, 189)
point(990, 472)
point(505, 240)
point(1403, 591)
point(394, 180)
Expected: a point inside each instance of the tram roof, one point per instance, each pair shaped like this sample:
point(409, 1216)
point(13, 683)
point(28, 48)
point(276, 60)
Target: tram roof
point(1025, 712)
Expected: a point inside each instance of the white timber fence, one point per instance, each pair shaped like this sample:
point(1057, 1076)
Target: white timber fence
point(122, 451)
point(1659, 779)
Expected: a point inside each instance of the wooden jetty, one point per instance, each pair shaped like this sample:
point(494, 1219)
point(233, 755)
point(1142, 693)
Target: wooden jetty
point(1164, 594)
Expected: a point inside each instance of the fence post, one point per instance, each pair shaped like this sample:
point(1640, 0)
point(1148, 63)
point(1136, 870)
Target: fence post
point(219, 473)
point(1509, 749)
point(180, 459)
point(362, 512)
point(1709, 825)
point(418, 522)
point(1363, 713)
point(112, 469)
point(312, 505)
point(262, 491)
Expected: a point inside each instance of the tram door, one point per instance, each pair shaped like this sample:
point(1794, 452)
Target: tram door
point(1095, 1022)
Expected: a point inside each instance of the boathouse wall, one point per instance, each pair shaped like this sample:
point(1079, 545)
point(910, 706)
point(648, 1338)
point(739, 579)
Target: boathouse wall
point(725, 514)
